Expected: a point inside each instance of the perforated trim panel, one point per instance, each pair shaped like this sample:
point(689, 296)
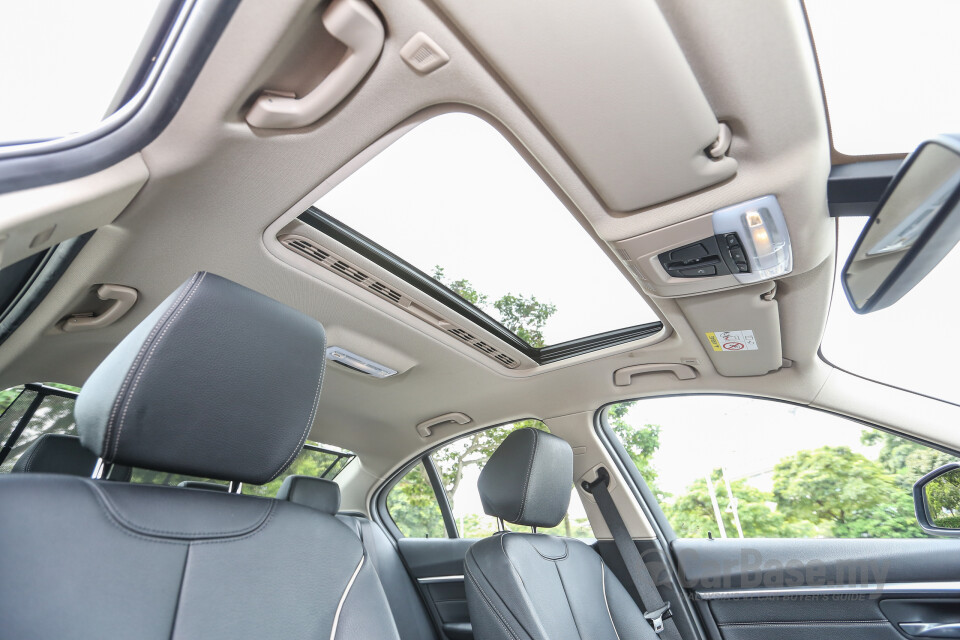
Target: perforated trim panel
point(332, 262)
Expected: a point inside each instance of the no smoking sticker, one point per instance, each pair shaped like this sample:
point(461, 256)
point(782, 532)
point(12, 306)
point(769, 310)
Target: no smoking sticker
point(732, 340)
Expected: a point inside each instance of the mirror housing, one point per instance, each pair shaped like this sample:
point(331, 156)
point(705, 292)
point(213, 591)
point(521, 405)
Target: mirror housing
point(936, 497)
point(916, 224)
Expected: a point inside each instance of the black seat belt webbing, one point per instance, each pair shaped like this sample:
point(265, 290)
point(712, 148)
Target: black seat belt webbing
point(657, 611)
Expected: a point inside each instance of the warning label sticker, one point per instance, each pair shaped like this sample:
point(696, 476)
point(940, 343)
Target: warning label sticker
point(732, 340)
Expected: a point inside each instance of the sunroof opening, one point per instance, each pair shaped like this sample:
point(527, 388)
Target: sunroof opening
point(455, 200)
point(888, 71)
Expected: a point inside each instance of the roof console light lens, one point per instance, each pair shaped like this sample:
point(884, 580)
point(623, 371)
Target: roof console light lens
point(351, 360)
point(766, 241)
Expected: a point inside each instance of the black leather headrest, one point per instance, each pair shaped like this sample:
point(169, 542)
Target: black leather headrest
point(528, 479)
point(316, 493)
point(205, 486)
point(56, 453)
point(218, 382)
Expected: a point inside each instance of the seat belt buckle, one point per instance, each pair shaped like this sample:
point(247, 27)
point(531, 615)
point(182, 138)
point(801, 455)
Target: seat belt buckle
point(657, 617)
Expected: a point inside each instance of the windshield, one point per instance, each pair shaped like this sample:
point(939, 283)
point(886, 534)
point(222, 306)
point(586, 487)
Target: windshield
point(887, 69)
point(913, 344)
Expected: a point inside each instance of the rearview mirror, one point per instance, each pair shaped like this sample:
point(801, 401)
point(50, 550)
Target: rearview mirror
point(936, 497)
point(915, 225)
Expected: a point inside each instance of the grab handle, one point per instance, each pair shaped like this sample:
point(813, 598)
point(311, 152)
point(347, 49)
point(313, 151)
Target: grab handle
point(357, 26)
point(124, 298)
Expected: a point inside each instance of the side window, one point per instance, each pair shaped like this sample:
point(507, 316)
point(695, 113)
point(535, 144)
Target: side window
point(752, 468)
point(413, 506)
point(30, 411)
point(48, 408)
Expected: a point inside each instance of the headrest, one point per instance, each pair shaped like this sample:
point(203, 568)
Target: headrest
point(316, 493)
point(218, 382)
point(528, 479)
point(56, 453)
point(206, 486)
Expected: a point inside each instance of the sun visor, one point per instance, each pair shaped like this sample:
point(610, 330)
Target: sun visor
point(611, 84)
point(739, 329)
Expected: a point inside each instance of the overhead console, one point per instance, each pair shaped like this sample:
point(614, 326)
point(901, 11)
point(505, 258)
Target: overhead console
point(737, 245)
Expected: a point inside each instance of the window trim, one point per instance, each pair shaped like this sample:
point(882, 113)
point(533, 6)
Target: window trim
point(340, 455)
point(397, 266)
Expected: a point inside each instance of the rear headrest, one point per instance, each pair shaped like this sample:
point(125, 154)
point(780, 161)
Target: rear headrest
point(316, 493)
point(56, 453)
point(218, 382)
point(205, 486)
point(528, 479)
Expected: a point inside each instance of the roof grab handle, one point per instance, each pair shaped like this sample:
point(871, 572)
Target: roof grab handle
point(622, 377)
point(123, 300)
point(357, 26)
point(424, 428)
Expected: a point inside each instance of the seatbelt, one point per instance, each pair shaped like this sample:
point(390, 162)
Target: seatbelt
point(657, 612)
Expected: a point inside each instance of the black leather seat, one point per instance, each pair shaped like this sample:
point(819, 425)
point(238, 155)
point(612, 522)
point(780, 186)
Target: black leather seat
point(58, 453)
point(528, 586)
point(409, 613)
point(219, 382)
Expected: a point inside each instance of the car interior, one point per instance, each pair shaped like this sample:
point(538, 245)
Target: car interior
point(505, 320)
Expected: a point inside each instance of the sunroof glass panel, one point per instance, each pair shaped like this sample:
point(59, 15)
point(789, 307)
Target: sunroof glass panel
point(454, 195)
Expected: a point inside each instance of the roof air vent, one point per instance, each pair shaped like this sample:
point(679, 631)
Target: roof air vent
point(315, 253)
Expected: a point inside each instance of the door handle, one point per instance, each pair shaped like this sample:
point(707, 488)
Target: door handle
point(357, 26)
point(124, 298)
point(931, 630)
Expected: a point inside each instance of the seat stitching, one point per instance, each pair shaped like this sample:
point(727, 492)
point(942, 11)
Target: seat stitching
point(115, 513)
point(135, 364)
point(486, 599)
point(146, 362)
point(603, 584)
point(526, 479)
point(563, 587)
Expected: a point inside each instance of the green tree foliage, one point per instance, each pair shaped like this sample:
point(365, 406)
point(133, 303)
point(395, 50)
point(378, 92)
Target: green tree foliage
point(692, 514)
point(525, 316)
point(413, 506)
point(848, 494)
point(829, 483)
point(641, 443)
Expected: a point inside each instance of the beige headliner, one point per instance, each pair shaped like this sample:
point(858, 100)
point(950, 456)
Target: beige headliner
point(218, 192)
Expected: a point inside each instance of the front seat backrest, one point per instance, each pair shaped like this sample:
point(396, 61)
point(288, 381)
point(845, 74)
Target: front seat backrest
point(409, 613)
point(219, 382)
point(528, 586)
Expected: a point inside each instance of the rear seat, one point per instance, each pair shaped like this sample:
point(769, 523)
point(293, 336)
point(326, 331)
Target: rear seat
point(407, 607)
point(63, 454)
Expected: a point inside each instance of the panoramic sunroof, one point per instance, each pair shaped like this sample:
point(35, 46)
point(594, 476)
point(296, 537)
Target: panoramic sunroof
point(887, 71)
point(456, 201)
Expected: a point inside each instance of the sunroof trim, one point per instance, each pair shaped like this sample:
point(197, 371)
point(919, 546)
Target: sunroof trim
point(384, 258)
